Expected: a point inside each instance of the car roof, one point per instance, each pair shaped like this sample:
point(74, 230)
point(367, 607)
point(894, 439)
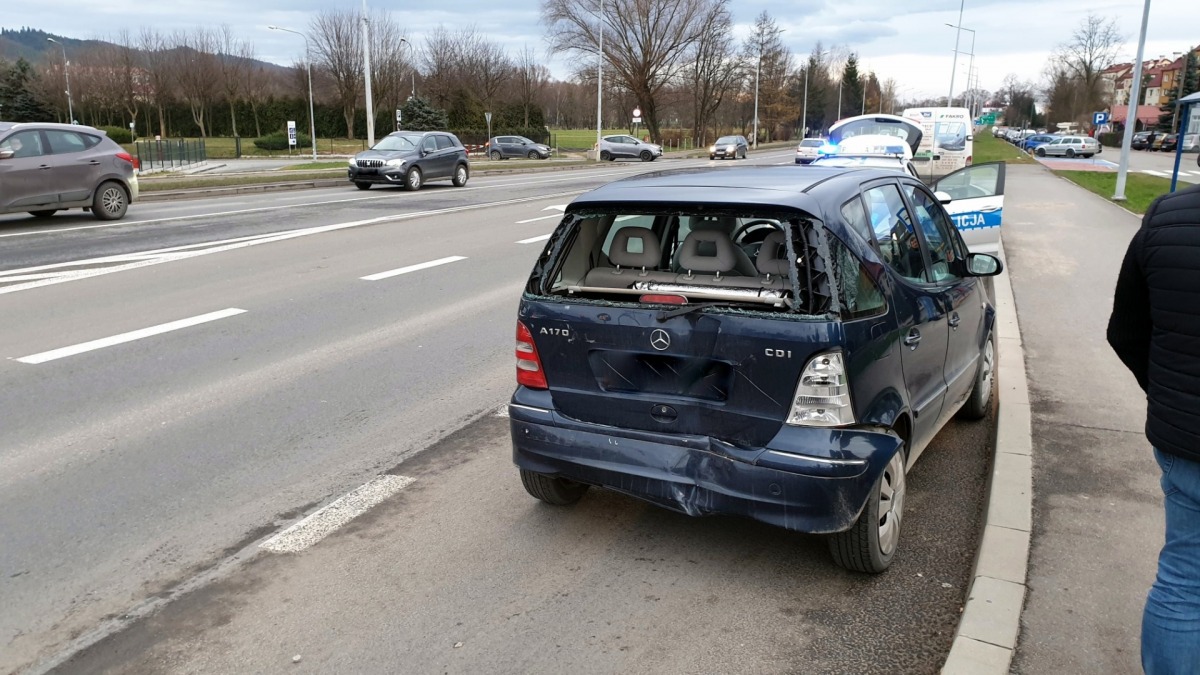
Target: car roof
point(5, 126)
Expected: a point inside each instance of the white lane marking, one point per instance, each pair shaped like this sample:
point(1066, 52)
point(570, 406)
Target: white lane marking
point(349, 506)
point(534, 220)
point(1161, 174)
point(534, 240)
point(413, 268)
point(121, 263)
point(261, 209)
point(129, 337)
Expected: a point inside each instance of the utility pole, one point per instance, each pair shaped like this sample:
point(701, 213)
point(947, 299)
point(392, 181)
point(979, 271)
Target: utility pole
point(757, 67)
point(599, 83)
point(67, 76)
point(1131, 109)
point(953, 66)
point(366, 38)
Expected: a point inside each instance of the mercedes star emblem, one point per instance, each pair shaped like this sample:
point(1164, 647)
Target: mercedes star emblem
point(660, 339)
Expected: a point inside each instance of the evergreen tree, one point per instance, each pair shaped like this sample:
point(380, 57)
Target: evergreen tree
point(1166, 116)
point(852, 90)
point(17, 98)
point(420, 116)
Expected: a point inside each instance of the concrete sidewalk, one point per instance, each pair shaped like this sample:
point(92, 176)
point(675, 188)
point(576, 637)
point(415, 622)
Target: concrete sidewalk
point(1097, 518)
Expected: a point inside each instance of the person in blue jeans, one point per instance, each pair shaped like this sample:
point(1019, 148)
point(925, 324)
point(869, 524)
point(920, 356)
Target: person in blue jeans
point(1155, 330)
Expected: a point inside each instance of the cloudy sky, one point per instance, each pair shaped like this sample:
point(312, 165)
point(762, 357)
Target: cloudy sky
point(903, 39)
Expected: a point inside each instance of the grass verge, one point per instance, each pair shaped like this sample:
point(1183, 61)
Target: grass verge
point(988, 148)
point(161, 185)
point(1140, 189)
point(311, 166)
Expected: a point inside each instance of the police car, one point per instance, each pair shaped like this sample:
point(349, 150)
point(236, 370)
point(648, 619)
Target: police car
point(973, 197)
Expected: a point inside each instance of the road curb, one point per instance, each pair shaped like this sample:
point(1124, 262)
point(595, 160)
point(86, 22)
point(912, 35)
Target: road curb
point(986, 639)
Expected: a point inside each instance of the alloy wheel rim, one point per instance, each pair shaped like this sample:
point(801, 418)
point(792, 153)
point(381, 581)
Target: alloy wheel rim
point(988, 369)
point(461, 175)
point(414, 179)
point(112, 200)
point(891, 504)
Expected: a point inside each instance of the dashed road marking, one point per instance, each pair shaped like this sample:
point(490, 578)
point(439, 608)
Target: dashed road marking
point(128, 337)
point(413, 268)
point(534, 240)
point(330, 517)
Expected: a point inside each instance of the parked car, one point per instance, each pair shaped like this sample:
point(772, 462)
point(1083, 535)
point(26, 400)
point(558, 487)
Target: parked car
point(1191, 142)
point(766, 342)
point(807, 150)
point(1169, 142)
point(1156, 144)
point(1030, 143)
point(507, 147)
point(47, 168)
point(628, 147)
point(1070, 146)
point(876, 141)
point(1142, 140)
point(729, 147)
point(411, 159)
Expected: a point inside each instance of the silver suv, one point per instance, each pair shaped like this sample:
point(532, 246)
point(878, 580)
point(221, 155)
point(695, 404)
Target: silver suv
point(628, 147)
point(1070, 146)
point(46, 168)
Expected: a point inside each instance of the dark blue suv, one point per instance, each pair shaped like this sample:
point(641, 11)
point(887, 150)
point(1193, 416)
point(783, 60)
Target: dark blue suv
point(779, 343)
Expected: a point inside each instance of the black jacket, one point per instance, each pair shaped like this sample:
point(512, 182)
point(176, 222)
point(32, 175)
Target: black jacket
point(1155, 324)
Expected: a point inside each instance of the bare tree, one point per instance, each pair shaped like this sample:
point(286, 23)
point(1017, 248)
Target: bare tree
point(389, 67)
point(156, 60)
point(484, 66)
point(1093, 47)
point(258, 85)
point(337, 45)
point(129, 75)
point(645, 41)
point(441, 64)
point(532, 77)
point(234, 60)
point(197, 71)
point(713, 72)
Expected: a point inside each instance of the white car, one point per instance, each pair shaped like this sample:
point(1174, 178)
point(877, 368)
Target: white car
point(877, 141)
point(628, 147)
point(807, 150)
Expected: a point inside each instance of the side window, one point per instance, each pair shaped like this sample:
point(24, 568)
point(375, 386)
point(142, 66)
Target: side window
point(444, 142)
point(90, 140)
point(24, 144)
point(429, 145)
point(898, 243)
point(62, 142)
point(937, 230)
point(858, 294)
point(855, 216)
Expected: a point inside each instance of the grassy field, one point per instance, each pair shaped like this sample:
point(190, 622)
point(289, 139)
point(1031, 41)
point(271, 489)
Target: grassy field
point(988, 148)
point(1140, 188)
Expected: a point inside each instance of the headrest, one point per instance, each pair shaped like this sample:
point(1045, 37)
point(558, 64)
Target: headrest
point(772, 257)
point(692, 260)
point(645, 251)
point(724, 224)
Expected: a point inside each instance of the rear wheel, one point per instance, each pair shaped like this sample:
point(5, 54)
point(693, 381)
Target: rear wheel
point(646, 156)
point(605, 156)
point(495, 154)
point(43, 214)
point(460, 175)
point(976, 407)
point(362, 185)
point(556, 491)
point(110, 201)
point(413, 179)
point(871, 544)
point(1071, 153)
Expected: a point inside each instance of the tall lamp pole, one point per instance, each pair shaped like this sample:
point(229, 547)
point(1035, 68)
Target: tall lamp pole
point(970, 66)
point(600, 83)
point(366, 38)
point(411, 68)
point(1131, 108)
point(312, 121)
point(954, 65)
point(804, 120)
point(67, 76)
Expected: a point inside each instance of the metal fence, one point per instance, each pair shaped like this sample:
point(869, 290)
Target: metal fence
point(159, 155)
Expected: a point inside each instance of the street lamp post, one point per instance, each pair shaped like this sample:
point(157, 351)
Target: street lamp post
point(1131, 109)
point(366, 38)
point(312, 121)
point(804, 120)
point(600, 82)
point(411, 68)
point(954, 66)
point(67, 76)
point(970, 65)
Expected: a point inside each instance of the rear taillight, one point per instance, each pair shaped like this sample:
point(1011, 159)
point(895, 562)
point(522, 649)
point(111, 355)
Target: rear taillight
point(969, 160)
point(529, 365)
point(125, 156)
point(823, 394)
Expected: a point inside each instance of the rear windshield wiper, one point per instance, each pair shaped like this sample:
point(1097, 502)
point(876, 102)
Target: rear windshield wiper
point(687, 309)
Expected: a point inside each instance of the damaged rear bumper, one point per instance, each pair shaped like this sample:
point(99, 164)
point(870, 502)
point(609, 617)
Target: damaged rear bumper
point(806, 479)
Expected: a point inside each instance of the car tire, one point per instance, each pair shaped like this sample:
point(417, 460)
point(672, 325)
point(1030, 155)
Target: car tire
point(1041, 152)
point(605, 156)
point(1087, 156)
point(496, 156)
point(533, 154)
point(646, 156)
point(1070, 153)
point(413, 179)
point(44, 213)
point(461, 174)
point(362, 185)
point(552, 490)
point(712, 158)
point(110, 202)
point(870, 545)
point(979, 402)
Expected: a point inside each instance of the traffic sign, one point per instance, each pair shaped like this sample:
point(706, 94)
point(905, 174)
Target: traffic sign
point(399, 115)
point(291, 133)
point(1099, 118)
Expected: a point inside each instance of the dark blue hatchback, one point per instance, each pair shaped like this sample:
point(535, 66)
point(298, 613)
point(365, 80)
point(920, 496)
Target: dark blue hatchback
point(779, 343)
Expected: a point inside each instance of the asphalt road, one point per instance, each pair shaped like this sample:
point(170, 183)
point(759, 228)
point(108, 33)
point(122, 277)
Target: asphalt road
point(168, 409)
point(1160, 164)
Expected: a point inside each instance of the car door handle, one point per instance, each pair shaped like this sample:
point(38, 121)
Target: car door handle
point(44, 167)
point(955, 319)
point(94, 163)
point(913, 338)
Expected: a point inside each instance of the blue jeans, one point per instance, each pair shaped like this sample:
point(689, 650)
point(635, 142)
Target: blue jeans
point(1171, 622)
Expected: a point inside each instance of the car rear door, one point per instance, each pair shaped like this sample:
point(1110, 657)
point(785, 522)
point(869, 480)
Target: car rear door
point(76, 168)
point(977, 206)
point(27, 179)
